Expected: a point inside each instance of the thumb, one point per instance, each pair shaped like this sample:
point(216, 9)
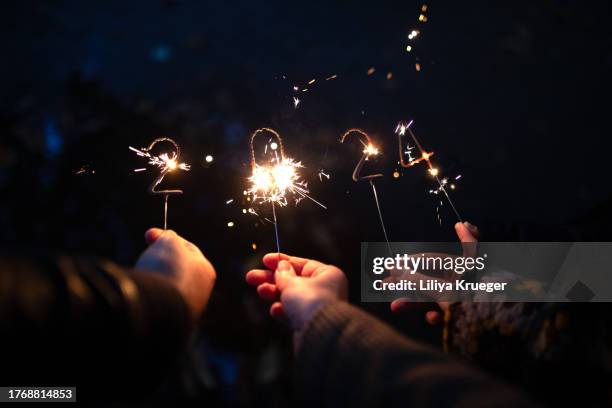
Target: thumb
point(467, 234)
point(284, 275)
point(153, 234)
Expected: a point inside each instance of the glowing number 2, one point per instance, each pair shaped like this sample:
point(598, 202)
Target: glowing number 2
point(369, 150)
point(165, 169)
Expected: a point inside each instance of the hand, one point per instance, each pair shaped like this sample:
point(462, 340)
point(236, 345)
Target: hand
point(182, 263)
point(297, 287)
point(468, 235)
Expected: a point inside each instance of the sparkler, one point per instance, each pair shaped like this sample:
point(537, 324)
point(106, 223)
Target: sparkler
point(369, 150)
point(401, 130)
point(166, 164)
point(279, 179)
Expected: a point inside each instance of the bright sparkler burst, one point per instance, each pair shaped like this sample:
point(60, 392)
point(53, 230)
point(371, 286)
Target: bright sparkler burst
point(370, 150)
point(278, 180)
point(164, 161)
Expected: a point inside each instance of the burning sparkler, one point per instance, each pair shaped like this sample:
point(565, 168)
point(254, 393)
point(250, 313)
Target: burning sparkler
point(401, 130)
point(369, 150)
point(278, 180)
point(166, 164)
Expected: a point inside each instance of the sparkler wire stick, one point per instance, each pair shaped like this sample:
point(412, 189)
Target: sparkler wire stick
point(276, 230)
point(382, 223)
point(425, 155)
point(165, 212)
point(369, 150)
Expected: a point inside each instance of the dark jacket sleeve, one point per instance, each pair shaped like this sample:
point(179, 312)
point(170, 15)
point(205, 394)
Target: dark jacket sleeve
point(87, 322)
point(349, 358)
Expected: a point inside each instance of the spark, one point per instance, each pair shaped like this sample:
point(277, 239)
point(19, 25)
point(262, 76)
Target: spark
point(312, 81)
point(417, 66)
point(331, 77)
point(409, 48)
point(279, 179)
point(231, 200)
point(164, 162)
point(209, 159)
point(230, 224)
point(323, 174)
point(371, 70)
point(276, 182)
point(423, 18)
point(85, 169)
point(139, 170)
point(296, 101)
point(400, 130)
point(369, 150)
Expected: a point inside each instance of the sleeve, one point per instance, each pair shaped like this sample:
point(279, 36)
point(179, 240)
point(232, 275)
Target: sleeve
point(349, 358)
point(87, 322)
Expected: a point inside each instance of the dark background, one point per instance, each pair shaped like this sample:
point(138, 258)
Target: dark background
point(512, 95)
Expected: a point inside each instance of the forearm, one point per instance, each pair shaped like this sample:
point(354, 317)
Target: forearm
point(347, 357)
point(60, 315)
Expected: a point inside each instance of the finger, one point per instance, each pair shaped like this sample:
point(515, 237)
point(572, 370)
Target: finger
point(401, 306)
point(314, 268)
point(473, 229)
point(191, 246)
point(433, 317)
point(467, 238)
point(406, 305)
point(284, 275)
point(301, 266)
point(271, 261)
point(152, 234)
point(268, 291)
point(464, 233)
point(257, 277)
point(277, 312)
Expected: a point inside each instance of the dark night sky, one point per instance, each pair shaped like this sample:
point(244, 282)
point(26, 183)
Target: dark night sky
point(513, 95)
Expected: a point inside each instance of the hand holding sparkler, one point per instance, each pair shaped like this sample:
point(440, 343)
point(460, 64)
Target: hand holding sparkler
point(468, 235)
point(177, 260)
point(166, 163)
point(296, 287)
